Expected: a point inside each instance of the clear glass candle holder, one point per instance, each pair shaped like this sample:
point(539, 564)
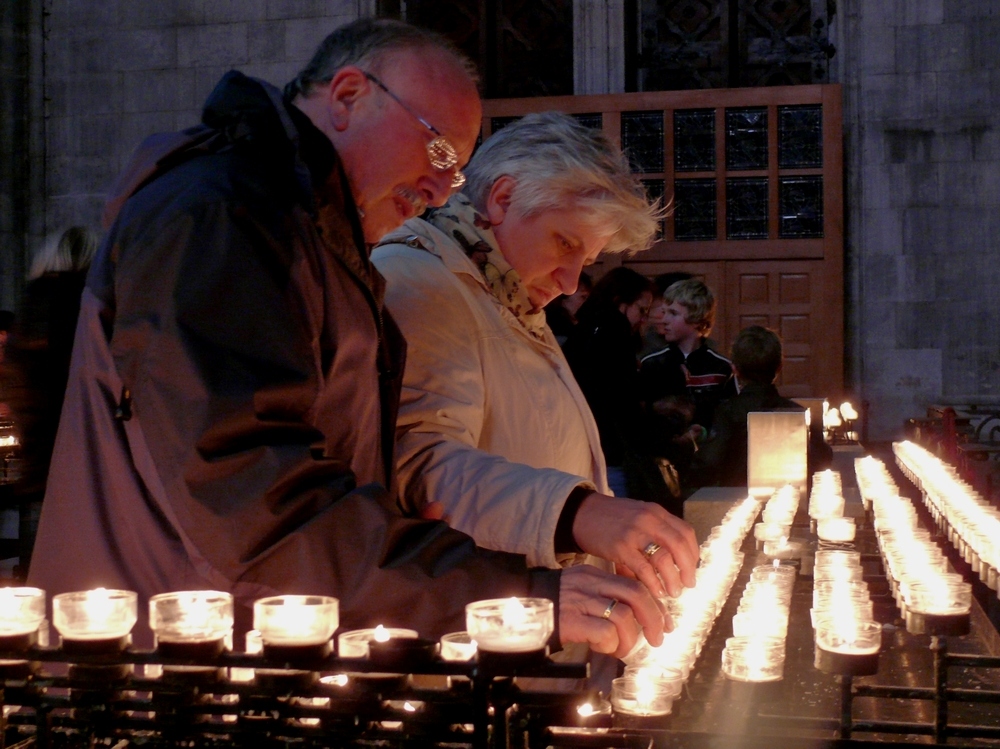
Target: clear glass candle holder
point(826, 506)
point(939, 597)
point(296, 621)
point(191, 616)
point(355, 643)
point(510, 625)
point(668, 678)
point(861, 609)
point(645, 697)
point(92, 615)
point(774, 572)
point(752, 624)
point(754, 659)
point(837, 573)
point(771, 531)
point(458, 646)
point(836, 530)
point(784, 549)
point(22, 611)
point(844, 634)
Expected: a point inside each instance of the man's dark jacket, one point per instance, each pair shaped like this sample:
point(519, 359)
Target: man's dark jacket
point(230, 413)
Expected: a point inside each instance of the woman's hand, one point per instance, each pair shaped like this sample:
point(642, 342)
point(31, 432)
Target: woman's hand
point(653, 544)
point(607, 611)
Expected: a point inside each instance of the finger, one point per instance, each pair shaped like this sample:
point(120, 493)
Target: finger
point(626, 628)
point(663, 563)
point(642, 607)
point(645, 572)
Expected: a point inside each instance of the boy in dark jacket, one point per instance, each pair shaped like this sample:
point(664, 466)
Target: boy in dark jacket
point(722, 460)
point(687, 376)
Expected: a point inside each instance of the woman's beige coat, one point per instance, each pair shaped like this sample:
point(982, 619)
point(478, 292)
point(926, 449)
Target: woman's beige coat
point(491, 423)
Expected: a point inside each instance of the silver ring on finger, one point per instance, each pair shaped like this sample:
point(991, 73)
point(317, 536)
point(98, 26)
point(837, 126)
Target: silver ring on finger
point(609, 609)
point(651, 548)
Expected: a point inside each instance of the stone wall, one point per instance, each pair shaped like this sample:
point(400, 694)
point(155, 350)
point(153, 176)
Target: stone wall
point(922, 125)
point(116, 71)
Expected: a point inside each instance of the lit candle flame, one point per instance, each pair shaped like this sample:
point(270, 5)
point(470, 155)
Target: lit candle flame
point(381, 634)
point(585, 710)
point(514, 613)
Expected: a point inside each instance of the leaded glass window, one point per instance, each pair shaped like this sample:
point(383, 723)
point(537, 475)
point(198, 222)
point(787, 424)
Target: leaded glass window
point(800, 137)
point(642, 140)
point(694, 209)
point(746, 208)
point(800, 203)
point(694, 140)
point(746, 138)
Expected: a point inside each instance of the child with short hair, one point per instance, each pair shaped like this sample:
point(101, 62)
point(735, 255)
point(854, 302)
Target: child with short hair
point(687, 372)
point(722, 461)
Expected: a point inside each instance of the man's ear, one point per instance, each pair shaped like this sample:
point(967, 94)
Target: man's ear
point(343, 92)
point(499, 199)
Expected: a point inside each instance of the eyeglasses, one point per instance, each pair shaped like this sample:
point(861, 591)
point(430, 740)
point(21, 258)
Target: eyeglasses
point(440, 151)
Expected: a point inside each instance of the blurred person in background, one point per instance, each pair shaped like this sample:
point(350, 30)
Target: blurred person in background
point(603, 354)
point(560, 313)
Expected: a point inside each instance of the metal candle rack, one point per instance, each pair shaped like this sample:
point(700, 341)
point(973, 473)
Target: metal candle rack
point(54, 698)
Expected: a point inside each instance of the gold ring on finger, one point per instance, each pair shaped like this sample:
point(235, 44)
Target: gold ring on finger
point(651, 548)
point(609, 609)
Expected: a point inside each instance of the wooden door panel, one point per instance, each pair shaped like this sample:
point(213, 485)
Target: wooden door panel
point(788, 297)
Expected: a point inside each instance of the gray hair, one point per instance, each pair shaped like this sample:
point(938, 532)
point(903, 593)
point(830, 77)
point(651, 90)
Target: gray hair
point(556, 160)
point(364, 43)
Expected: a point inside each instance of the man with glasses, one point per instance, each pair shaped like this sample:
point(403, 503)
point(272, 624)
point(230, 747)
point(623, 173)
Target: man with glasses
point(229, 421)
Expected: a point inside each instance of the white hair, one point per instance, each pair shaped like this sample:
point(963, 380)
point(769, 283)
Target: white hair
point(555, 161)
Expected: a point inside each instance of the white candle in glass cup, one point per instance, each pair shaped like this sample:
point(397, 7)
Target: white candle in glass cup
point(836, 529)
point(22, 611)
point(458, 646)
point(191, 616)
point(296, 620)
point(642, 696)
point(510, 625)
point(842, 632)
point(356, 642)
point(95, 615)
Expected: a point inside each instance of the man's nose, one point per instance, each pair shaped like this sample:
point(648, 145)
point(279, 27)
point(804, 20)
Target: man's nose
point(436, 186)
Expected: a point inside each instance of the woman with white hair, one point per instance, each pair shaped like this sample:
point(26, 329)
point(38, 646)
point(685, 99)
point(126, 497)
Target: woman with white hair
point(493, 429)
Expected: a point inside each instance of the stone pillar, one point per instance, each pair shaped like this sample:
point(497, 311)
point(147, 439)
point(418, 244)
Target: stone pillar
point(598, 47)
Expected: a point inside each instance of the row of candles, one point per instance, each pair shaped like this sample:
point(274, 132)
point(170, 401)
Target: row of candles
point(842, 614)
point(654, 677)
point(199, 623)
point(826, 509)
point(972, 524)
point(918, 572)
point(756, 651)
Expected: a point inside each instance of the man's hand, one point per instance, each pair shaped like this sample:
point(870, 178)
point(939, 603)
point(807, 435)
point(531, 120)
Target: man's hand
point(620, 530)
point(586, 594)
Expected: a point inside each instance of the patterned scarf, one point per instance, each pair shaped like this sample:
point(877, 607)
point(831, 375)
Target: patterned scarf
point(474, 234)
